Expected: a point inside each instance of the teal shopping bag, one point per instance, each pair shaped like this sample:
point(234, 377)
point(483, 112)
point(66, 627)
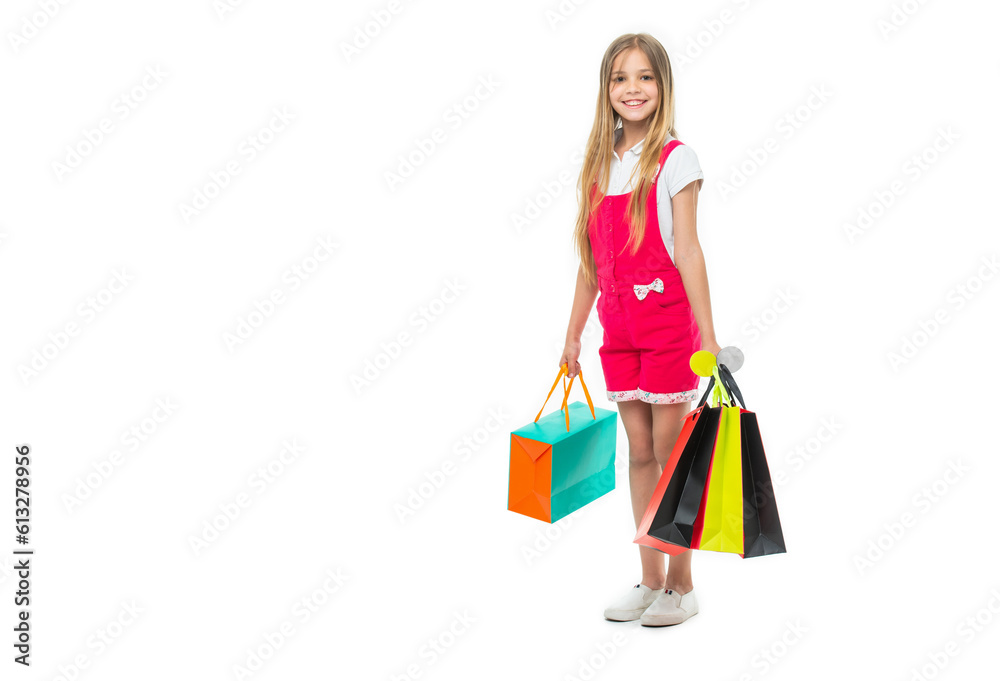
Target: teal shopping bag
point(563, 461)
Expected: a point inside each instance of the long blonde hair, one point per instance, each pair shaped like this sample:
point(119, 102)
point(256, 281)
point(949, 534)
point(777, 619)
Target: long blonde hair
point(600, 146)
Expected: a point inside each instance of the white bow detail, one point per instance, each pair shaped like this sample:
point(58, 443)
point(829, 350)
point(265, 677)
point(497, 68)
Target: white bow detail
point(641, 290)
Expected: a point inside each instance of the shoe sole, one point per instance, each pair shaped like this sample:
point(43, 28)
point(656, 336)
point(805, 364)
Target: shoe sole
point(624, 615)
point(668, 624)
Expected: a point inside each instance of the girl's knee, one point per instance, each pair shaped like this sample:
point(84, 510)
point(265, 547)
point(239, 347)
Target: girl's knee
point(662, 456)
point(640, 456)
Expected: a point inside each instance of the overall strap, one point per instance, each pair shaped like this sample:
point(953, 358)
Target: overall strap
point(667, 148)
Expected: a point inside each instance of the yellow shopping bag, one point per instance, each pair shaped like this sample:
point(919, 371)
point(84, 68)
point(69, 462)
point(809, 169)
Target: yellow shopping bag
point(722, 528)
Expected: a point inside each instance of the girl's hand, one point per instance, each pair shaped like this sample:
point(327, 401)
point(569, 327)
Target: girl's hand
point(570, 355)
point(711, 346)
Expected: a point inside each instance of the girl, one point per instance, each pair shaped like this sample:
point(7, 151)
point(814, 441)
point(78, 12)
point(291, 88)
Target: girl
point(638, 247)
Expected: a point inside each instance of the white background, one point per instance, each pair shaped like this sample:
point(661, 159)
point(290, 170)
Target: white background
point(503, 595)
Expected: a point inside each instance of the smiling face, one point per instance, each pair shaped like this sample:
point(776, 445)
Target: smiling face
point(634, 94)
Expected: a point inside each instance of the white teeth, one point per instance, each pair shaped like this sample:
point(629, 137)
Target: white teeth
point(634, 102)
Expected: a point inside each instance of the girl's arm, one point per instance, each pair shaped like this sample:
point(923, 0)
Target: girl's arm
point(583, 303)
point(690, 262)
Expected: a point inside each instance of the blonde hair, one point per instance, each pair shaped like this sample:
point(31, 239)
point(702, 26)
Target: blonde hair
point(600, 146)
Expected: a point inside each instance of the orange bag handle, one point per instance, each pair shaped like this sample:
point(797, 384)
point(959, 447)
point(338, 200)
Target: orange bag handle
point(563, 372)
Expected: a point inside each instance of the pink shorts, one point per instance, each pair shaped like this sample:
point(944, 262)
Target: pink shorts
point(648, 343)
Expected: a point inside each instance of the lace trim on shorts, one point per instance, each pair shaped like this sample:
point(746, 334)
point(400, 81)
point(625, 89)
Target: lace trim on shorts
point(652, 398)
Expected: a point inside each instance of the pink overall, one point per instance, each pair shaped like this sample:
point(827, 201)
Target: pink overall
point(649, 329)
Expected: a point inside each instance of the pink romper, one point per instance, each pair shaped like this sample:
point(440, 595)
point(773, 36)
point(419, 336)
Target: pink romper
point(650, 331)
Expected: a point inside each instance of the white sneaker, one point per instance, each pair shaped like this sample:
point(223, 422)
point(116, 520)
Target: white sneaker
point(670, 608)
point(630, 606)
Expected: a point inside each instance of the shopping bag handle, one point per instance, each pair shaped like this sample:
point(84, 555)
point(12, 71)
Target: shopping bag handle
point(563, 372)
point(716, 390)
point(727, 377)
point(724, 385)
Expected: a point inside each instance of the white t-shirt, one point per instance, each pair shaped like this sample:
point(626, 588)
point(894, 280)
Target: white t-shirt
point(680, 170)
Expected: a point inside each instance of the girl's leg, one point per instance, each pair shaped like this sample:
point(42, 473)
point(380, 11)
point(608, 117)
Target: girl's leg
point(668, 419)
point(643, 474)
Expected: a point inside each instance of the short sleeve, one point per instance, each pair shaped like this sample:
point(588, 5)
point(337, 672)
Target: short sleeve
point(681, 169)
